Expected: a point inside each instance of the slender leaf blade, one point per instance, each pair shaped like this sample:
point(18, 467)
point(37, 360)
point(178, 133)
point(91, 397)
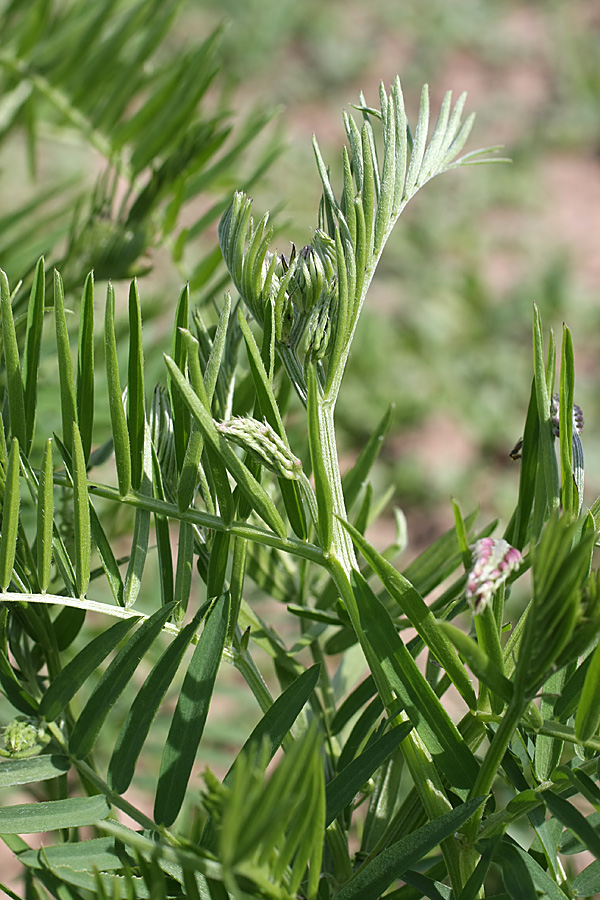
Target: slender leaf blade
point(118, 419)
point(136, 416)
point(78, 670)
point(45, 518)
point(343, 788)
point(113, 682)
point(65, 363)
point(51, 815)
point(373, 880)
point(190, 715)
point(30, 771)
point(32, 350)
point(14, 381)
point(144, 708)
point(81, 516)
point(85, 366)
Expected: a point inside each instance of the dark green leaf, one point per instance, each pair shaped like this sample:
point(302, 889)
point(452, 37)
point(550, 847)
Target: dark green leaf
point(10, 516)
point(136, 417)
point(14, 382)
point(587, 718)
point(322, 483)
point(342, 789)
point(45, 520)
point(587, 883)
point(144, 708)
point(85, 367)
point(419, 615)
point(115, 400)
point(422, 705)
point(372, 881)
point(76, 672)
point(574, 820)
point(113, 682)
point(81, 515)
point(31, 818)
point(30, 771)
point(190, 715)
point(65, 364)
point(254, 492)
point(33, 343)
point(14, 691)
point(99, 853)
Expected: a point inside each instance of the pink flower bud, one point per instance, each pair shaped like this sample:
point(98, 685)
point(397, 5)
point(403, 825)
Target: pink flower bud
point(493, 561)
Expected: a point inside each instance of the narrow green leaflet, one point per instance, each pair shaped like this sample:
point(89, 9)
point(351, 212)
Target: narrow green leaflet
point(45, 518)
point(543, 882)
point(419, 615)
point(587, 718)
point(280, 717)
point(30, 771)
point(352, 704)
point(181, 417)
point(547, 453)
point(85, 366)
point(65, 364)
point(78, 670)
point(33, 343)
point(14, 691)
point(436, 729)
point(254, 492)
point(371, 881)
point(103, 854)
point(81, 515)
point(144, 708)
point(185, 568)
point(190, 715)
point(31, 818)
point(113, 682)
point(515, 873)
point(141, 531)
point(107, 557)
point(479, 662)
point(14, 381)
point(10, 516)
point(115, 400)
point(573, 820)
point(342, 789)
point(136, 417)
point(322, 483)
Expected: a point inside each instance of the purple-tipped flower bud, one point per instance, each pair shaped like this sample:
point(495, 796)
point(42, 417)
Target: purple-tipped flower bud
point(493, 561)
point(555, 416)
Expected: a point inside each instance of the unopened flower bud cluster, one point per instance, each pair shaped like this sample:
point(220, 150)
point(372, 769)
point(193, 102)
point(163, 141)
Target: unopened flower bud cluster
point(493, 561)
point(555, 416)
point(263, 442)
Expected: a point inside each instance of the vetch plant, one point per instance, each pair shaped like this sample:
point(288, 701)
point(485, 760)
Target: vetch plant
point(380, 789)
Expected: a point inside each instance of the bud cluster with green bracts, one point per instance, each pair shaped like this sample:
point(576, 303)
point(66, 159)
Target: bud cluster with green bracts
point(407, 720)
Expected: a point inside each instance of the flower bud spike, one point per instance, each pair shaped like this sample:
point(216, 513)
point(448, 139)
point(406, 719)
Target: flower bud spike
point(493, 561)
point(265, 445)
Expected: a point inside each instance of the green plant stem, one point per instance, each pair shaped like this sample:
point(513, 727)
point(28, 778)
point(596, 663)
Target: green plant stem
point(246, 666)
point(493, 758)
point(338, 847)
point(422, 768)
point(342, 547)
